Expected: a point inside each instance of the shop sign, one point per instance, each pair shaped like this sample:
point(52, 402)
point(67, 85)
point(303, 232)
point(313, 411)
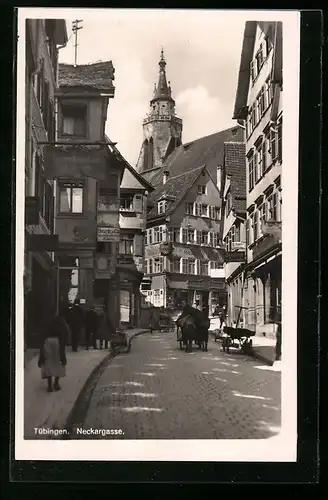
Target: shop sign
point(152, 251)
point(108, 234)
point(198, 285)
point(236, 256)
point(238, 245)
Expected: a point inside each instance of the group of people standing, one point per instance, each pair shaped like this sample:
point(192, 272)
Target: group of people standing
point(56, 331)
point(194, 325)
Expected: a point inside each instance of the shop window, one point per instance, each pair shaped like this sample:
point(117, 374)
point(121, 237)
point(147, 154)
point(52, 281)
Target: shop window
point(71, 197)
point(126, 244)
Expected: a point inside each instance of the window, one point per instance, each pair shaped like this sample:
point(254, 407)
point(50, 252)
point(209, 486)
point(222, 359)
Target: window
point(279, 141)
point(198, 209)
point(162, 206)
point(274, 144)
point(214, 264)
point(174, 265)
point(254, 116)
point(126, 244)
point(268, 41)
point(191, 266)
point(184, 266)
point(201, 189)
point(74, 120)
point(151, 267)
point(256, 225)
point(259, 59)
point(217, 213)
point(212, 213)
point(126, 202)
point(251, 173)
point(248, 230)
point(203, 268)
point(204, 211)
point(253, 70)
point(191, 236)
point(261, 101)
point(197, 269)
point(210, 239)
point(272, 207)
point(158, 234)
point(229, 202)
point(215, 239)
point(174, 234)
point(150, 236)
point(158, 265)
point(269, 91)
point(198, 237)
point(184, 235)
point(258, 165)
point(237, 232)
point(204, 237)
point(189, 208)
point(262, 217)
point(71, 197)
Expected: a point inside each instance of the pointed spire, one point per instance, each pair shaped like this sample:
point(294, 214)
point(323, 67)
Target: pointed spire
point(162, 91)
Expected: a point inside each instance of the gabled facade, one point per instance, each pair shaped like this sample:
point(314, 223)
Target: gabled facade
point(134, 191)
point(233, 188)
point(43, 39)
point(259, 106)
point(183, 255)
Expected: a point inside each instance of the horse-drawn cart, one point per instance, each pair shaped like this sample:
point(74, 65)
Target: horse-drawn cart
point(237, 337)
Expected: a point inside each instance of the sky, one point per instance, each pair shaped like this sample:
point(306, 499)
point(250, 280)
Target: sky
point(202, 50)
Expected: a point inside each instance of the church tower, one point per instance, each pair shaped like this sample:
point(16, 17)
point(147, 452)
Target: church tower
point(162, 129)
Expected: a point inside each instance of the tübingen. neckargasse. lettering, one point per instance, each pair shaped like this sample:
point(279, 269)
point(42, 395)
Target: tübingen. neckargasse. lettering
point(87, 432)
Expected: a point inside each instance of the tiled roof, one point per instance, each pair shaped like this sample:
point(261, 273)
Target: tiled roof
point(98, 76)
point(176, 187)
point(235, 168)
point(208, 150)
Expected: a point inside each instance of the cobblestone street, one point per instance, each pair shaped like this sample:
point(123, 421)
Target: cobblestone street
point(160, 392)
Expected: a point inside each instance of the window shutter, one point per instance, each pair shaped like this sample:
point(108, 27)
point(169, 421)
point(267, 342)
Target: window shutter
point(137, 244)
point(137, 203)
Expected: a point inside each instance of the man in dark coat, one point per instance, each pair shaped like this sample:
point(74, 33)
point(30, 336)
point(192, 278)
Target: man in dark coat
point(75, 320)
point(187, 322)
point(204, 327)
point(91, 328)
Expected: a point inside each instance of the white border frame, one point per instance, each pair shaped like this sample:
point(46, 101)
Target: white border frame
point(281, 448)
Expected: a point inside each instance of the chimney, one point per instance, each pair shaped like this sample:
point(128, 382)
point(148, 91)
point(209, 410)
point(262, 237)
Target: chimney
point(165, 176)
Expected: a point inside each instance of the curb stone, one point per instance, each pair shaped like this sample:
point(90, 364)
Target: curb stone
point(91, 381)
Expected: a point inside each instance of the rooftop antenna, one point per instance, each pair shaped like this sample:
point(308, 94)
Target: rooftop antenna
point(75, 28)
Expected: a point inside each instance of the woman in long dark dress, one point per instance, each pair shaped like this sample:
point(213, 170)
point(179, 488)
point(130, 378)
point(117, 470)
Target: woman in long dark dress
point(52, 358)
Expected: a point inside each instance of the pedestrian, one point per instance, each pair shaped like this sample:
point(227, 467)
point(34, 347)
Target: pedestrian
point(75, 319)
point(52, 358)
point(105, 330)
point(222, 317)
point(204, 327)
point(151, 322)
point(91, 328)
point(278, 340)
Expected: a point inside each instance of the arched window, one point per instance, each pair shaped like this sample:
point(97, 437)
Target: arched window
point(150, 153)
point(146, 154)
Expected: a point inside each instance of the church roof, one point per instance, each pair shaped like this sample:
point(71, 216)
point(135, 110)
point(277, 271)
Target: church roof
point(96, 76)
point(163, 90)
point(208, 150)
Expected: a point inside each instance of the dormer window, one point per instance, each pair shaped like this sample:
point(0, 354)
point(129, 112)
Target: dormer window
point(162, 207)
point(74, 120)
point(126, 202)
point(201, 189)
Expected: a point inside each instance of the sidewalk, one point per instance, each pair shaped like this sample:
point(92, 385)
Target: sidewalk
point(51, 410)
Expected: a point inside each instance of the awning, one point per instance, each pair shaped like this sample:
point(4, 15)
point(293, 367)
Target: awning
point(180, 285)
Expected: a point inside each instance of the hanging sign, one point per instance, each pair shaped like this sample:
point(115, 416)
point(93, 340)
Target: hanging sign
point(108, 234)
